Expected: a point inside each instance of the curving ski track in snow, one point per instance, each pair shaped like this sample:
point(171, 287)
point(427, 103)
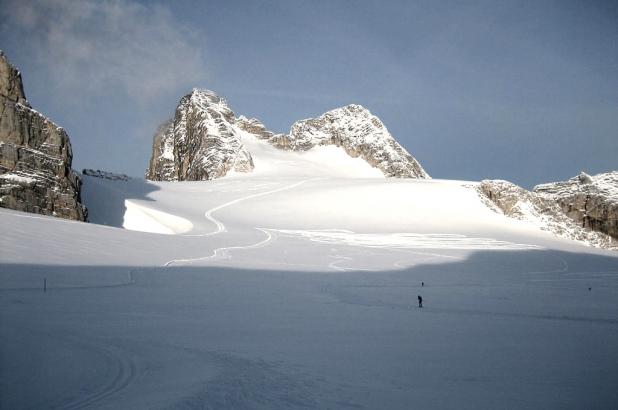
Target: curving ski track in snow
point(220, 227)
point(125, 373)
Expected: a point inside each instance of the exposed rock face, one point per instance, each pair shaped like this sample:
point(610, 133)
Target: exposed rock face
point(35, 156)
point(97, 173)
point(359, 133)
point(204, 140)
point(516, 202)
point(200, 143)
point(590, 201)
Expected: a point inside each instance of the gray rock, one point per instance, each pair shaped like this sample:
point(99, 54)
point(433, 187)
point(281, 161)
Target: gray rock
point(360, 134)
point(590, 201)
point(200, 143)
point(541, 210)
point(35, 156)
point(204, 140)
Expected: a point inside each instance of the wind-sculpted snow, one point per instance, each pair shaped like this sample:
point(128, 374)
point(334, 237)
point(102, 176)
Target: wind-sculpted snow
point(206, 141)
point(590, 201)
point(541, 210)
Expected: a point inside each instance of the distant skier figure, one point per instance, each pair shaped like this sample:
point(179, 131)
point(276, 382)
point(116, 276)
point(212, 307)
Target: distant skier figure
point(422, 284)
point(420, 301)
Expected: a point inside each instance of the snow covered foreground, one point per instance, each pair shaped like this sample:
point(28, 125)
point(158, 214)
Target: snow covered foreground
point(275, 292)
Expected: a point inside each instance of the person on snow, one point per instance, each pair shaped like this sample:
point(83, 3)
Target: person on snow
point(420, 301)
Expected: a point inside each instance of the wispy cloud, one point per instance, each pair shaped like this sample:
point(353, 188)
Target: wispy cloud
point(110, 46)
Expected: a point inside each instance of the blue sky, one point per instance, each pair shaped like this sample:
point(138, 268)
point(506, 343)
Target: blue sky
point(523, 91)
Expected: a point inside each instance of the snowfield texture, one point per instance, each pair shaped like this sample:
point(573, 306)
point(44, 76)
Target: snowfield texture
point(286, 292)
point(206, 141)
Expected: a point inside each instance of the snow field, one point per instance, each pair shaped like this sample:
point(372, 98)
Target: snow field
point(300, 292)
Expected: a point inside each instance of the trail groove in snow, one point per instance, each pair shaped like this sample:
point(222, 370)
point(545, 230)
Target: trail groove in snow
point(220, 227)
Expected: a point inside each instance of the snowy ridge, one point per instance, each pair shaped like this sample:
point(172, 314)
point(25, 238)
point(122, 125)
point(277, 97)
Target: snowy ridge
point(206, 141)
point(359, 133)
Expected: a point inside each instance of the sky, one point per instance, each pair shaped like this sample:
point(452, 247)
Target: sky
point(517, 90)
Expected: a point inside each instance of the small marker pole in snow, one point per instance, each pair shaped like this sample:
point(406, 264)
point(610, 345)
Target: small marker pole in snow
point(44, 285)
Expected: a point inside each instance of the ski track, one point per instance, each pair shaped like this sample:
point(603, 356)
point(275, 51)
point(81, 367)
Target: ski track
point(125, 370)
point(125, 373)
point(220, 227)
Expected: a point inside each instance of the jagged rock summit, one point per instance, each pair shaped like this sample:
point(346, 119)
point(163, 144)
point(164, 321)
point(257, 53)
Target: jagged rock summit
point(201, 142)
point(204, 140)
point(35, 156)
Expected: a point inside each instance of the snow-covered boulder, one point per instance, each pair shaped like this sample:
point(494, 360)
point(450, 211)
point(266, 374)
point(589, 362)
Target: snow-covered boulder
point(35, 156)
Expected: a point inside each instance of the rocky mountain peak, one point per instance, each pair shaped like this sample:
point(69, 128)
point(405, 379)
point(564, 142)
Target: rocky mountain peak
point(204, 140)
point(201, 142)
point(11, 86)
point(361, 134)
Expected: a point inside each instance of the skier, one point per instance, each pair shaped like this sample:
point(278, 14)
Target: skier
point(420, 301)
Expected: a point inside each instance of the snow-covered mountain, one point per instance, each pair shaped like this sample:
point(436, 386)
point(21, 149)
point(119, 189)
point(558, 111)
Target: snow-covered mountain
point(35, 156)
point(206, 141)
point(286, 277)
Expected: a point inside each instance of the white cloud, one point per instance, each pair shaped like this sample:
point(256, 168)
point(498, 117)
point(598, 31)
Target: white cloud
point(97, 47)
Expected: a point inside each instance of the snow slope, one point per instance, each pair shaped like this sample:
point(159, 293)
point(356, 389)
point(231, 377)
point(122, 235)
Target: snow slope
point(295, 287)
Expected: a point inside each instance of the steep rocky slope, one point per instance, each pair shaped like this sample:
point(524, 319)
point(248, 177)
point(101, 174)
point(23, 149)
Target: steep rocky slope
point(205, 140)
point(35, 156)
point(200, 143)
point(590, 201)
point(359, 133)
point(541, 210)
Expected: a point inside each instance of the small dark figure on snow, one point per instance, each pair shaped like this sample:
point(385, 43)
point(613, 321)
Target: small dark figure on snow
point(420, 301)
point(422, 284)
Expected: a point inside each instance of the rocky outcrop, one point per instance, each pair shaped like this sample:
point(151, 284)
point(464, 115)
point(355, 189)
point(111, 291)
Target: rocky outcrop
point(540, 210)
point(97, 173)
point(590, 201)
point(360, 134)
point(200, 143)
point(35, 156)
point(204, 140)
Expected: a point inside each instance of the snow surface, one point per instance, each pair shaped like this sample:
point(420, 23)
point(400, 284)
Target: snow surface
point(282, 289)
